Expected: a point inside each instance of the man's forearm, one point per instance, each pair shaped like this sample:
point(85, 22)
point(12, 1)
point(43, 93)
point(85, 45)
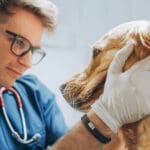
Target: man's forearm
point(79, 138)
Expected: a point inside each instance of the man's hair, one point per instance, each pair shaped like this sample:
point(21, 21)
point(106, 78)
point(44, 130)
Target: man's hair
point(44, 9)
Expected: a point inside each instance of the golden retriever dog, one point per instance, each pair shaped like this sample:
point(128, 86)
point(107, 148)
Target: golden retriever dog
point(83, 89)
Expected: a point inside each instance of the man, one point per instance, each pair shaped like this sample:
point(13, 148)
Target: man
point(125, 100)
point(39, 123)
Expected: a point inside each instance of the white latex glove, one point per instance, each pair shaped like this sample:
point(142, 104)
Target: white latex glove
point(126, 96)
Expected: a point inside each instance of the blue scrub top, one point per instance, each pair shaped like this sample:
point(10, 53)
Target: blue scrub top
point(42, 115)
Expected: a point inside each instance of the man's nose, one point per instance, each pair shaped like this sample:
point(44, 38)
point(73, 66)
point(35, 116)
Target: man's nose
point(26, 60)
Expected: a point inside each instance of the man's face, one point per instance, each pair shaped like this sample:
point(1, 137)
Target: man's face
point(27, 25)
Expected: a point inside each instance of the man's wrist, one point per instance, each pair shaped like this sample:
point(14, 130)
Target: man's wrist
point(99, 124)
point(93, 130)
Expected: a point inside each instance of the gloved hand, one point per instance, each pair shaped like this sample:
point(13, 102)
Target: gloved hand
point(126, 96)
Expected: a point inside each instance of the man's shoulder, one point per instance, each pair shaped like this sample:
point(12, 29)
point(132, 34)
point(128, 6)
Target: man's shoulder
point(28, 81)
point(28, 78)
point(32, 83)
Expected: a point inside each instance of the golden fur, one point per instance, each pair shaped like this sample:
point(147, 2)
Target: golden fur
point(83, 89)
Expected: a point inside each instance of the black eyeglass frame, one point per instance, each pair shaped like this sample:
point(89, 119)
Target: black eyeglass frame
point(31, 48)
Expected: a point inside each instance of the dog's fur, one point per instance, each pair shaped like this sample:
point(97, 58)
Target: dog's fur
point(83, 89)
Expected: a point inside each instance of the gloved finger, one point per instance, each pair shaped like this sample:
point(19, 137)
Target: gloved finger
point(120, 58)
point(141, 80)
point(143, 65)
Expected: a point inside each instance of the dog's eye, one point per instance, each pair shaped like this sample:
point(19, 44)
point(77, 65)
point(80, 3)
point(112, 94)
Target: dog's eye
point(96, 52)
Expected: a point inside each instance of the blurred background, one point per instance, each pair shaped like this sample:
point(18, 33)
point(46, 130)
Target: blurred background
point(80, 24)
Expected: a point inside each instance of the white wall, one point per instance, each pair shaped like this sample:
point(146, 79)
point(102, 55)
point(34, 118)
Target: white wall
point(80, 23)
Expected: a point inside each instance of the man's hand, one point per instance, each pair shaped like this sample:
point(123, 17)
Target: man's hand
point(126, 96)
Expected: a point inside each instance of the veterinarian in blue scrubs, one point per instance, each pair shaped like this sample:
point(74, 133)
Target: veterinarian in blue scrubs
point(29, 116)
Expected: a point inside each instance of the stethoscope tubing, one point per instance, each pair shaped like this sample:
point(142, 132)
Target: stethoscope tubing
point(19, 103)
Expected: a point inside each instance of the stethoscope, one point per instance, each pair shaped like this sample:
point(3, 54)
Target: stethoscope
point(14, 133)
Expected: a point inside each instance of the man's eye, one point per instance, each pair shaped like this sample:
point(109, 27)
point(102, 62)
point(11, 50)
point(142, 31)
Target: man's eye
point(20, 43)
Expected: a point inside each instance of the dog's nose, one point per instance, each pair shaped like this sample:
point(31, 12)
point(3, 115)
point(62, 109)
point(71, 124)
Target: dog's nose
point(62, 87)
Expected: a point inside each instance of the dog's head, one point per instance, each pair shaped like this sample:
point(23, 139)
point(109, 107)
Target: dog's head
point(83, 89)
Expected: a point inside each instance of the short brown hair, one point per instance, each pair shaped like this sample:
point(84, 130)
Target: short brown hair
point(44, 9)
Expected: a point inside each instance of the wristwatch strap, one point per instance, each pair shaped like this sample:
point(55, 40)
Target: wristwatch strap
point(92, 129)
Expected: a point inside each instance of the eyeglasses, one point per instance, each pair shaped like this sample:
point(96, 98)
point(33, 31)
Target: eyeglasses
point(20, 46)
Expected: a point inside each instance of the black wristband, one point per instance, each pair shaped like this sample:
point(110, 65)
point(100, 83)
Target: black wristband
point(92, 129)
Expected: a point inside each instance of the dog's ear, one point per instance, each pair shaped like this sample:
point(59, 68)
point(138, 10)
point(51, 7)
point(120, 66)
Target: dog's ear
point(139, 52)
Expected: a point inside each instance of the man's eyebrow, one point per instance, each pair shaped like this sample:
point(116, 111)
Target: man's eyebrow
point(16, 34)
